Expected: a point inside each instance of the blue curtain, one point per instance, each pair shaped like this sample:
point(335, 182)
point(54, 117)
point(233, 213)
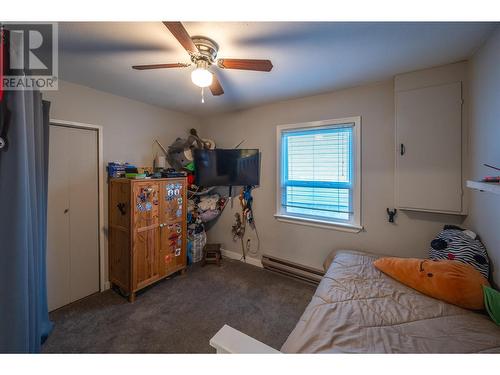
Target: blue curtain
point(24, 320)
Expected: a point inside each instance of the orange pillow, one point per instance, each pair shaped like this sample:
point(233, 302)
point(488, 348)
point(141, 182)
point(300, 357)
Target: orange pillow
point(448, 280)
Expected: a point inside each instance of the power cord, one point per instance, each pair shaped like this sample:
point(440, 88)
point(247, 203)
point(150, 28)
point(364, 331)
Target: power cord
point(248, 243)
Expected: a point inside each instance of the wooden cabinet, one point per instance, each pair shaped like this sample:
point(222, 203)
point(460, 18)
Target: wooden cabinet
point(147, 231)
point(429, 148)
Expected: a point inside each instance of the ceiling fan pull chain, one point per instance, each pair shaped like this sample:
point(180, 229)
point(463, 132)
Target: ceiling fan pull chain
point(202, 95)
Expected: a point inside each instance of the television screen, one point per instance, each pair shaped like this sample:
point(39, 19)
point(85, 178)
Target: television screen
point(220, 167)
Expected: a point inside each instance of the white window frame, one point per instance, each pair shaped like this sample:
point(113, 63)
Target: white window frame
point(353, 225)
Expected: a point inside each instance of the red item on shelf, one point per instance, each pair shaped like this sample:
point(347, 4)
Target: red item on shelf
point(491, 179)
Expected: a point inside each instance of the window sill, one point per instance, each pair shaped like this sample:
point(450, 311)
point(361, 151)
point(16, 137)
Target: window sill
point(347, 227)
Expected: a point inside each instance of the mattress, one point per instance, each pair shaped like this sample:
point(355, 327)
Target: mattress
point(358, 309)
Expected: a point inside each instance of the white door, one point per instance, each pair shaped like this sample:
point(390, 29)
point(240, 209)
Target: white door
point(73, 215)
point(429, 155)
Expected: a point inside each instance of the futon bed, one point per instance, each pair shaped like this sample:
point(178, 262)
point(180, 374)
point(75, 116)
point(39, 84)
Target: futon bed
point(358, 309)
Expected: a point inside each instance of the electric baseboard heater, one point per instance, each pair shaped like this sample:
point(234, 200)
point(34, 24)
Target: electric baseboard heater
point(295, 270)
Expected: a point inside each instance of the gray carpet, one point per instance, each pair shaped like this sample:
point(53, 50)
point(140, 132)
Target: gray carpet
point(181, 314)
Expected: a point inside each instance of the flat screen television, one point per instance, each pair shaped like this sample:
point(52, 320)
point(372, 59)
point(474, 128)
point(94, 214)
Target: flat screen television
point(227, 167)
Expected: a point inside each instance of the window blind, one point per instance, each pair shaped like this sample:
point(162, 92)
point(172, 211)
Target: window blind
point(317, 167)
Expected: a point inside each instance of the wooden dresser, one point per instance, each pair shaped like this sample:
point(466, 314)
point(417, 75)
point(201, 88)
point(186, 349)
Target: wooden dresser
point(147, 231)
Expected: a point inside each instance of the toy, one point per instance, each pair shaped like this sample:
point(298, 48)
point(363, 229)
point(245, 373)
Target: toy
point(208, 202)
point(179, 154)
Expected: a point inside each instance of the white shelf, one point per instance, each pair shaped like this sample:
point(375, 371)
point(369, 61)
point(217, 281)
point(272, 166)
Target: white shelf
point(491, 187)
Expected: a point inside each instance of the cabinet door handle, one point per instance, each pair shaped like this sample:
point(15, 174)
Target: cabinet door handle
point(402, 149)
point(121, 207)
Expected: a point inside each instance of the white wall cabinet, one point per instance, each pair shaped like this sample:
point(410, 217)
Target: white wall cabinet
point(429, 171)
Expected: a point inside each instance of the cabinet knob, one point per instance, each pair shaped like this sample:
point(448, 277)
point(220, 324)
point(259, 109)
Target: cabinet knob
point(66, 210)
point(161, 225)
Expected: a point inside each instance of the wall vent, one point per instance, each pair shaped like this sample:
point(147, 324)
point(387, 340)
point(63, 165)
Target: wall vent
point(295, 270)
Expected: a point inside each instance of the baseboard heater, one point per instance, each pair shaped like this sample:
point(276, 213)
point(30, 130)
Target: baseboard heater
point(295, 270)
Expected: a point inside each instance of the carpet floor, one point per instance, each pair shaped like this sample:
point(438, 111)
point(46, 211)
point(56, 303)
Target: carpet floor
point(181, 314)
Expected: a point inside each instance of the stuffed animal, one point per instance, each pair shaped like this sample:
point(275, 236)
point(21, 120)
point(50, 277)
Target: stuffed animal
point(209, 202)
point(455, 243)
point(180, 152)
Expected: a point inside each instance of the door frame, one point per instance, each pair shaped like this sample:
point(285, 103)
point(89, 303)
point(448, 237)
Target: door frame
point(103, 284)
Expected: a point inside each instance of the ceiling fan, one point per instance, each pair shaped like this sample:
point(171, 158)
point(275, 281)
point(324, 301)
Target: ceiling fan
point(203, 53)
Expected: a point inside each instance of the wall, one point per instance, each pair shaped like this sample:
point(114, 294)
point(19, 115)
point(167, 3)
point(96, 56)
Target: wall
point(409, 236)
point(484, 217)
point(129, 126)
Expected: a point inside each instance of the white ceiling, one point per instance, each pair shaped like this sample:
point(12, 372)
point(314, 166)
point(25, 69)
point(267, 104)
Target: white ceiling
point(308, 58)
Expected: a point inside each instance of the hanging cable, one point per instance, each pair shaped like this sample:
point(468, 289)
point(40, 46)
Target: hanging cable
point(238, 228)
point(248, 243)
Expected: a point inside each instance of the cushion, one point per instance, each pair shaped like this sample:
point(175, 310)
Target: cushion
point(455, 243)
point(492, 303)
point(448, 280)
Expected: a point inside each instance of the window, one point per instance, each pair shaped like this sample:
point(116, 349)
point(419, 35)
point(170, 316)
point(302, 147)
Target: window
point(319, 173)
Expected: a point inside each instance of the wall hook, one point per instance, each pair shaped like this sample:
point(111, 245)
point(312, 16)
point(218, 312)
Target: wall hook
point(391, 214)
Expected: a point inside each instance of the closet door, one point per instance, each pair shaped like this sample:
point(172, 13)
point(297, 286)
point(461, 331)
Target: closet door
point(429, 149)
point(83, 213)
point(73, 219)
point(58, 261)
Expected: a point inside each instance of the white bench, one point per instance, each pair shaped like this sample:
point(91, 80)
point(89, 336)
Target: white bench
point(231, 341)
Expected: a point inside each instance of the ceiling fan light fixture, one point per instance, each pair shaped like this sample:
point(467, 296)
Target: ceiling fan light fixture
point(201, 77)
point(203, 52)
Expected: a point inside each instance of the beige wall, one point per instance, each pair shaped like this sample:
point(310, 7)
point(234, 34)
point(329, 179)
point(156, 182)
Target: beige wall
point(129, 126)
point(409, 236)
point(484, 217)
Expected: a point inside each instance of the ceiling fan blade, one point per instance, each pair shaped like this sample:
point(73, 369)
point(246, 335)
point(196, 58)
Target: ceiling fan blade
point(215, 87)
point(159, 66)
point(180, 33)
point(246, 64)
